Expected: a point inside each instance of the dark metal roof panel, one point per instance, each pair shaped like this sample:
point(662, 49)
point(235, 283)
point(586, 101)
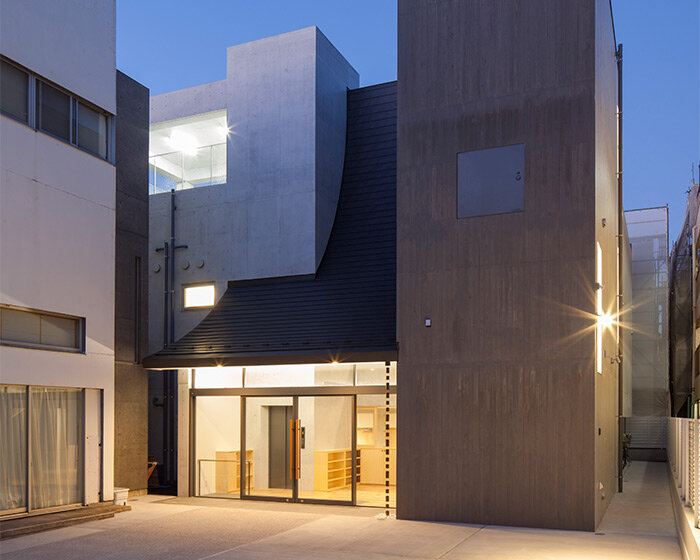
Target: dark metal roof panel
point(349, 306)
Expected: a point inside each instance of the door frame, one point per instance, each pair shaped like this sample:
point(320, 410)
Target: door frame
point(295, 393)
point(295, 451)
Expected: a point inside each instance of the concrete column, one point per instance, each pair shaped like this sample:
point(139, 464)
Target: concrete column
point(183, 432)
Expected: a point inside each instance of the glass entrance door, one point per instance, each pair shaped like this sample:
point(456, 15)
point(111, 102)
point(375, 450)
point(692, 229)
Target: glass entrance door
point(328, 470)
point(299, 448)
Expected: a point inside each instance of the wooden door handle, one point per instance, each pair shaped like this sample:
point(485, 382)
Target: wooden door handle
point(291, 450)
point(298, 436)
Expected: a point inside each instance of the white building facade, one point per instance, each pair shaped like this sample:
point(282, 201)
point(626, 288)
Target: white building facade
point(57, 253)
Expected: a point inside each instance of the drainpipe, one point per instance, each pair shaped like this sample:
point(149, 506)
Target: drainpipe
point(166, 291)
point(171, 310)
point(620, 247)
point(693, 308)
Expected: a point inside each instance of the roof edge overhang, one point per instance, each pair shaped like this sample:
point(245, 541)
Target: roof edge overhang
point(196, 360)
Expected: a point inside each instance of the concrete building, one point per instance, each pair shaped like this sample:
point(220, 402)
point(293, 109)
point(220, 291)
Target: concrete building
point(64, 217)
point(455, 239)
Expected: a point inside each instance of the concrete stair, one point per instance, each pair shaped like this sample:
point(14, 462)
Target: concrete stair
point(19, 526)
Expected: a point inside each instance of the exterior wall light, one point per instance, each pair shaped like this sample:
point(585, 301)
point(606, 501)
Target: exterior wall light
point(600, 320)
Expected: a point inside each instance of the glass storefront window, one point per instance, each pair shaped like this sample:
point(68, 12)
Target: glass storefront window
point(372, 436)
point(280, 376)
point(297, 375)
point(374, 373)
point(54, 461)
point(13, 448)
point(56, 424)
point(218, 378)
point(218, 445)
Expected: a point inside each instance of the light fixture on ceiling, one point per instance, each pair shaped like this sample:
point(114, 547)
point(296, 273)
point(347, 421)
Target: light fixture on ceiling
point(183, 142)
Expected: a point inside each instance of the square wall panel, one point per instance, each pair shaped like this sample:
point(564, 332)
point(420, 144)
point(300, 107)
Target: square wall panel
point(491, 181)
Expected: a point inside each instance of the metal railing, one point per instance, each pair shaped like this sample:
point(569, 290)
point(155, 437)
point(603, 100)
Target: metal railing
point(684, 460)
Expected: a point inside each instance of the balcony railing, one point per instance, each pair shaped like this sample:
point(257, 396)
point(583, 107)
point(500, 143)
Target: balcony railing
point(684, 460)
point(202, 167)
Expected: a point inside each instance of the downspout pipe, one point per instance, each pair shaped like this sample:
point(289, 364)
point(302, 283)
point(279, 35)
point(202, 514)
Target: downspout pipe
point(166, 291)
point(620, 262)
point(171, 303)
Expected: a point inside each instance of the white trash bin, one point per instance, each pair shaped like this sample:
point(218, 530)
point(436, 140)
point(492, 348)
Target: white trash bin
point(120, 496)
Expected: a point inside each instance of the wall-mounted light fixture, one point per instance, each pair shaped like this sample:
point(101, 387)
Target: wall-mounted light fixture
point(602, 318)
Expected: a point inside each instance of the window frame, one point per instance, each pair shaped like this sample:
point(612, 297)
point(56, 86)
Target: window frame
point(30, 95)
point(80, 331)
point(33, 107)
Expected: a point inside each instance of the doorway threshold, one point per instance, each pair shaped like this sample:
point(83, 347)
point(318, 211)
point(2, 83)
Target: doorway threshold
point(254, 505)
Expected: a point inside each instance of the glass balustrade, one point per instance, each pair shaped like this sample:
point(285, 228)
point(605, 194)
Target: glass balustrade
point(201, 167)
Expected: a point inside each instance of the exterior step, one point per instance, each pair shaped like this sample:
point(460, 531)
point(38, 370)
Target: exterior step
point(19, 526)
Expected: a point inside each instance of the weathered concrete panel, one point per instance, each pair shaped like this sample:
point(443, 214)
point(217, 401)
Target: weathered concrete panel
point(502, 386)
point(131, 289)
point(285, 98)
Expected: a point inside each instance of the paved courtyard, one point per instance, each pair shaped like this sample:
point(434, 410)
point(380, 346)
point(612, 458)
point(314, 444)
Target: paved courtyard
point(639, 525)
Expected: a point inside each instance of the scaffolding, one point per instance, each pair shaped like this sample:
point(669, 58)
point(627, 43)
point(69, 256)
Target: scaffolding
point(683, 279)
point(648, 233)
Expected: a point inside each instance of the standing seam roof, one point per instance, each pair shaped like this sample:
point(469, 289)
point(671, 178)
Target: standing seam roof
point(349, 306)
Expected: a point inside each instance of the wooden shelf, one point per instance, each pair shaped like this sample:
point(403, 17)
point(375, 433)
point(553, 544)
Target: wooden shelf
point(332, 469)
point(227, 472)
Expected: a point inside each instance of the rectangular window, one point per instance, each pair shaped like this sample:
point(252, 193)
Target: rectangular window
point(48, 108)
point(91, 128)
point(14, 92)
point(35, 329)
point(53, 111)
point(199, 295)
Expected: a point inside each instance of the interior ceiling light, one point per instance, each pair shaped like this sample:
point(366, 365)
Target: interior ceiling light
point(183, 142)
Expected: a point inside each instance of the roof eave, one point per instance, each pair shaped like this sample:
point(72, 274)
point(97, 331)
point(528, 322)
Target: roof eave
point(195, 360)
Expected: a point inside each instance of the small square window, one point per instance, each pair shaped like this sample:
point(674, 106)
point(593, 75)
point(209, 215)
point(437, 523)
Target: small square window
point(199, 296)
point(491, 181)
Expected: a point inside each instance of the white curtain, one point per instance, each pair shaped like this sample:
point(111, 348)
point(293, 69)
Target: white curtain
point(56, 451)
point(13, 447)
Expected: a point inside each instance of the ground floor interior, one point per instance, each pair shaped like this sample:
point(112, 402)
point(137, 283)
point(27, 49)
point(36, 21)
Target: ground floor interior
point(298, 433)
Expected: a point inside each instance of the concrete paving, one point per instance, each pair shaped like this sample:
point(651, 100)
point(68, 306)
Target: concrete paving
point(639, 525)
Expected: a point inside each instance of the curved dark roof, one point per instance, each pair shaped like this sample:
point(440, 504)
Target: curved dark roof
point(347, 311)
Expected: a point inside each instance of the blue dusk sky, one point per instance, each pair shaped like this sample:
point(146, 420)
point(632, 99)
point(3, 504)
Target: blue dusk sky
point(180, 43)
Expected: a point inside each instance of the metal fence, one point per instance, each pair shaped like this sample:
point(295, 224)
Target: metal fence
point(684, 459)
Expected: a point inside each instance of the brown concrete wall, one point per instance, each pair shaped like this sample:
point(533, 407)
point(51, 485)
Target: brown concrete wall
point(497, 398)
point(131, 315)
point(606, 384)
